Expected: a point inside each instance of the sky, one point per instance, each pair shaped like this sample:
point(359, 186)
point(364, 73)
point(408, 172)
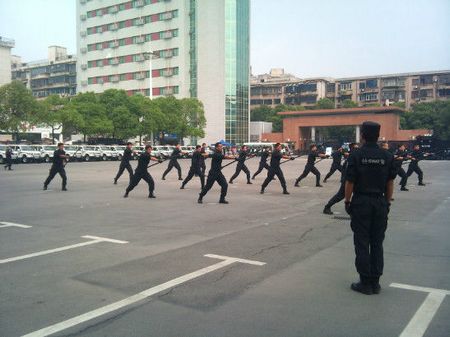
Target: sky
point(308, 38)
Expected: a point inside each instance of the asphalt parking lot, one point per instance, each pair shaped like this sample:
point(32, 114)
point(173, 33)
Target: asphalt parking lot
point(88, 262)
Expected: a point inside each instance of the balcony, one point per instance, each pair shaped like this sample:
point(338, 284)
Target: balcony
point(167, 72)
point(115, 44)
point(115, 61)
point(114, 10)
point(114, 26)
point(140, 22)
point(140, 39)
point(140, 58)
point(139, 3)
point(115, 79)
point(140, 76)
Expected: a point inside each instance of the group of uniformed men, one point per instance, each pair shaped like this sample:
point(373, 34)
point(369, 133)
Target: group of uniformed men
point(367, 176)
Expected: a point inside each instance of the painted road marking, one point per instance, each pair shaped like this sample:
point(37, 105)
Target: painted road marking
point(94, 240)
point(227, 260)
point(424, 315)
point(4, 224)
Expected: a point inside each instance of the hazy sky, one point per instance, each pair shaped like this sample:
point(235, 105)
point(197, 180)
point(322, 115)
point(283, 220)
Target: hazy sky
point(308, 38)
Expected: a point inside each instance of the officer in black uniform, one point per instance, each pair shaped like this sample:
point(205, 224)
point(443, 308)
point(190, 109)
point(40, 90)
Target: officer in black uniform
point(309, 167)
point(336, 164)
point(203, 158)
point(399, 157)
point(370, 180)
point(125, 163)
point(339, 196)
point(263, 162)
point(215, 174)
point(8, 158)
point(141, 172)
point(243, 154)
point(416, 156)
point(176, 153)
point(196, 167)
point(59, 159)
point(275, 169)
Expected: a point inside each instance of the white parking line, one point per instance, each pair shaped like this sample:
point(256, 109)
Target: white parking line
point(4, 224)
point(140, 296)
point(95, 239)
point(424, 315)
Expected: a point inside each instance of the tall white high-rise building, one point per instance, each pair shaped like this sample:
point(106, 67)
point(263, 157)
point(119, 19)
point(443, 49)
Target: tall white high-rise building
point(5, 60)
point(199, 48)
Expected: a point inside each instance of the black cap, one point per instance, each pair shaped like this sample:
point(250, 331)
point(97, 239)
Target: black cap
point(370, 129)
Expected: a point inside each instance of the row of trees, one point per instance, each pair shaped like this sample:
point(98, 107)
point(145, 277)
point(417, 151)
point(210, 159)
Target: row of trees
point(110, 114)
point(427, 115)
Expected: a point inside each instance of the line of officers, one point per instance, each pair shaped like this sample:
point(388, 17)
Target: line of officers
point(367, 180)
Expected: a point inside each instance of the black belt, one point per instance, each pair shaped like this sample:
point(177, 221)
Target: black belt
point(370, 194)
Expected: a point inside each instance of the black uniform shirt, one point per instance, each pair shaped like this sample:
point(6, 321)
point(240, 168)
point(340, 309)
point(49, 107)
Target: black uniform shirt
point(57, 160)
point(202, 158)
point(242, 157)
point(275, 159)
point(344, 171)
point(417, 155)
point(143, 161)
point(370, 168)
point(264, 156)
point(8, 153)
point(398, 162)
point(127, 155)
point(175, 154)
point(312, 158)
point(337, 157)
point(196, 160)
point(216, 161)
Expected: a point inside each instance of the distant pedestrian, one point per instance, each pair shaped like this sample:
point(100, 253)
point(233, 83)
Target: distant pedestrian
point(8, 158)
point(125, 163)
point(59, 160)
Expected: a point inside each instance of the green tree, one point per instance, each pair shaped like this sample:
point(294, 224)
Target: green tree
point(17, 107)
point(151, 120)
point(324, 103)
point(191, 121)
point(348, 103)
point(49, 113)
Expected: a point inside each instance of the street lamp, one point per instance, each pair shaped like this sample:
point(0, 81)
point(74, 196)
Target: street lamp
point(149, 56)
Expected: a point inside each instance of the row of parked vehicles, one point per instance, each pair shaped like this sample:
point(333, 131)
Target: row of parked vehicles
point(22, 153)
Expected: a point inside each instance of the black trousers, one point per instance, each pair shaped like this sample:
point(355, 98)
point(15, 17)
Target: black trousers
point(8, 163)
point(369, 216)
point(53, 171)
point(402, 174)
point(306, 171)
point(197, 172)
point(239, 168)
point(138, 175)
point(415, 168)
point(203, 167)
point(271, 174)
point(333, 169)
point(338, 197)
point(212, 178)
point(172, 164)
point(123, 167)
point(261, 167)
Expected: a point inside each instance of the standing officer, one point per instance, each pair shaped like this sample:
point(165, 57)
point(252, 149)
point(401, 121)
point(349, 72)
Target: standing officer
point(141, 172)
point(176, 153)
point(275, 169)
point(416, 156)
point(339, 196)
point(309, 167)
point(241, 165)
point(399, 157)
point(59, 159)
point(370, 180)
point(196, 167)
point(203, 158)
point(336, 164)
point(125, 163)
point(263, 162)
point(8, 158)
point(215, 174)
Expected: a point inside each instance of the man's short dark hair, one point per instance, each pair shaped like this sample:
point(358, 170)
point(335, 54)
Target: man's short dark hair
point(312, 146)
point(60, 144)
point(217, 144)
point(197, 147)
point(147, 147)
point(129, 143)
point(277, 144)
point(203, 144)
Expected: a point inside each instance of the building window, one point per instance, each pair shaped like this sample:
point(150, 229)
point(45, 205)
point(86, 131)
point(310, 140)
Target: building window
point(368, 97)
point(345, 86)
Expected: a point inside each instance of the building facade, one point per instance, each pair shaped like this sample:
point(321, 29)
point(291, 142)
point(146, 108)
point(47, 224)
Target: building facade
point(409, 88)
point(54, 76)
point(184, 48)
point(5, 60)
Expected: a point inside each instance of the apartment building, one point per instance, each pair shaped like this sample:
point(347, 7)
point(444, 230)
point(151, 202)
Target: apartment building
point(5, 59)
point(54, 76)
point(408, 88)
point(184, 48)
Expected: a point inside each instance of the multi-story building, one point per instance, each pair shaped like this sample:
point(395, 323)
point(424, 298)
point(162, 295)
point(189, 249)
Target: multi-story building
point(5, 60)
point(184, 48)
point(408, 88)
point(54, 76)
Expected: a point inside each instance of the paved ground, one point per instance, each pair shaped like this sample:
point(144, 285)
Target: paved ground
point(301, 290)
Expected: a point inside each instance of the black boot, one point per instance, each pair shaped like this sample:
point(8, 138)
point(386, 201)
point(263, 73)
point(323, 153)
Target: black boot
point(327, 210)
point(249, 183)
point(182, 187)
point(223, 201)
point(285, 191)
point(45, 188)
point(115, 181)
point(64, 188)
point(151, 195)
point(421, 184)
point(126, 194)
point(230, 182)
point(262, 191)
point(376, 288)
point(318, 185)
point(200, 199)
point(403, 188)
point(364, 286)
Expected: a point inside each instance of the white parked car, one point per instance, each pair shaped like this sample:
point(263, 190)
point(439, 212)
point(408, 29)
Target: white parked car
point(107, 152)
point(25, 153)
point(3, 153)
point(87, 153)
point(119, 149)
point(161, 151)
point(46, 152)
point(188, 150)
point(71, 151)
